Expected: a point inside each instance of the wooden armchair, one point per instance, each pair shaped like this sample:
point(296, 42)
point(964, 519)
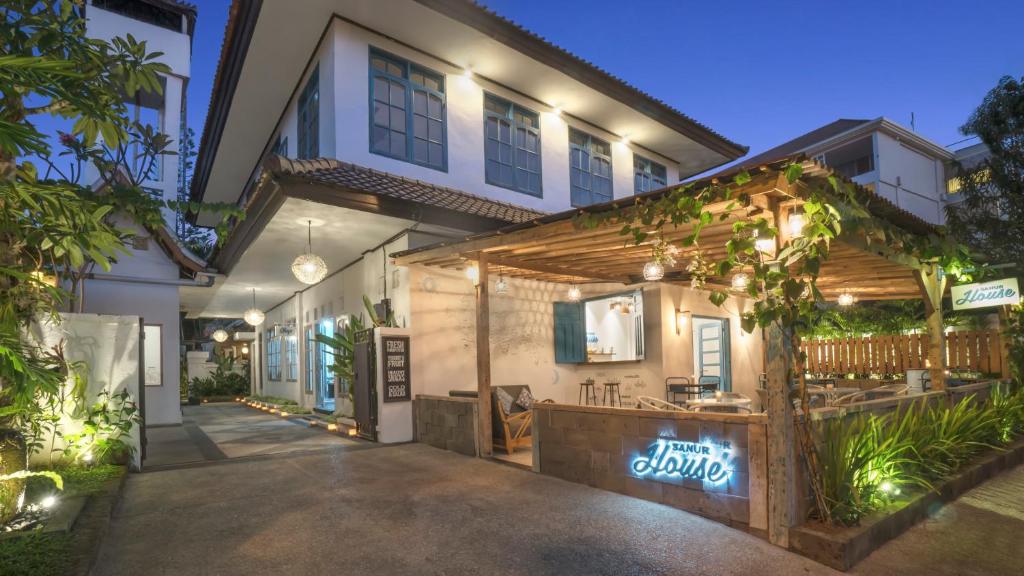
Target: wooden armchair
point(512, 429)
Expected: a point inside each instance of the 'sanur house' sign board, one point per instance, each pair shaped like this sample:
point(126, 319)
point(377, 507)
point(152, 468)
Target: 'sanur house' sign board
point(986, 294)
point(395, 357)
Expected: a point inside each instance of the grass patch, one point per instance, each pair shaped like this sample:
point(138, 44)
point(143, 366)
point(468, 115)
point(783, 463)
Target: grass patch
point(36, 555)
point(78, 481)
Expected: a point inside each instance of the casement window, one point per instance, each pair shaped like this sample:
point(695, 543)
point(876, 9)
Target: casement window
point(512, 146)
point(311, 347)
point(280, 147)
point(648, 175)
point(408, 116)
point(291, 348)
point(590, 169)
point(273, 357)
point(309, 118)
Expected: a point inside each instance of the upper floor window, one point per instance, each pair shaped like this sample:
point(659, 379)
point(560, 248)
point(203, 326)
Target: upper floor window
point(280, 147)
point(273, 357)
point(590, 169)
point(408, 111)
point(309, 118)
point(648, 175)
point(512, 146)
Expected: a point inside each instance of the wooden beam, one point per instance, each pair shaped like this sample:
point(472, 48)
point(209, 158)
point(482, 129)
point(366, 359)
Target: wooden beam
point(592, 274)
point(933, 285)
point(483, 359)
point(781, 437)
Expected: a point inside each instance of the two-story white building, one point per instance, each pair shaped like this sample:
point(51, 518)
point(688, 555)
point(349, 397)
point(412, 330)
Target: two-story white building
point(896, 163)
point(372, 127)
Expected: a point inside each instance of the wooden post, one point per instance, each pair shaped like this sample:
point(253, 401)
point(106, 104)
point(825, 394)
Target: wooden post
point(483, 359)
point(781, 439)
point(933, 286)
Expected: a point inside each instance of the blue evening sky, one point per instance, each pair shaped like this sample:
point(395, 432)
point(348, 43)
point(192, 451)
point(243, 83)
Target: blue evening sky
point(762, 72)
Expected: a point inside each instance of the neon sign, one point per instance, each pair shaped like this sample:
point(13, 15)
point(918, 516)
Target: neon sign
point(690, 460)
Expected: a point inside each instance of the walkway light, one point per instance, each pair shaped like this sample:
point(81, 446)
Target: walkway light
point(740, 281)
point(654, 271)
point(846, 299)
point(219, 335)
point(309, 268)
point(253, 316)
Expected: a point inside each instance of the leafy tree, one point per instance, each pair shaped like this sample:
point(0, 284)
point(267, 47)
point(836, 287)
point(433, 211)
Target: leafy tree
point(199, 241)
point(991, 216)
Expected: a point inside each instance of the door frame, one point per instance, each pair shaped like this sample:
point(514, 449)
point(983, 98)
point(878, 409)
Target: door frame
point(725, 350)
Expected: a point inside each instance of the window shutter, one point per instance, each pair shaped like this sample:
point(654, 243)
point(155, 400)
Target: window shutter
point(570, 337)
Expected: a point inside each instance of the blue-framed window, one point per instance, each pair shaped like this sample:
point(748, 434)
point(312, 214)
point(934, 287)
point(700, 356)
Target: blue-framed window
point(273, 357)
point(291, 350)
point(648, 175)
point(590, 169)
point(408, 117)
point(310, 359)
point(280, 146)
point(512, 146)
point(309, 117)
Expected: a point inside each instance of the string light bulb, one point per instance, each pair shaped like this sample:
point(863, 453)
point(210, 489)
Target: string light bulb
point(219, 335)
point(654, 271)
point(740, 281)
point(254, 316)
point(309, 268)
point(575, 294)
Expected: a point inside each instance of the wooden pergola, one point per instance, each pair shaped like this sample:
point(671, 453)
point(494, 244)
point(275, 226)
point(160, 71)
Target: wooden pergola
point(555, 249)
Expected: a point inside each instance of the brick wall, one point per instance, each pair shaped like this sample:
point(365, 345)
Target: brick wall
point(446, 423)
point(598, 446)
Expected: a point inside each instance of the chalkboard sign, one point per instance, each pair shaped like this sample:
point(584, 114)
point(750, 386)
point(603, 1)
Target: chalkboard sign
point(395, 354)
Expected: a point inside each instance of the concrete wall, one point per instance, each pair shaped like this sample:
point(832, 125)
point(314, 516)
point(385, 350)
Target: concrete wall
point(599, 446)
point(343, 60)
point(446, 423)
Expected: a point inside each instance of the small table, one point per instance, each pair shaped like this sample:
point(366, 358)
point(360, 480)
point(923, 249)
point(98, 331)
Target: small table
point(724, 402)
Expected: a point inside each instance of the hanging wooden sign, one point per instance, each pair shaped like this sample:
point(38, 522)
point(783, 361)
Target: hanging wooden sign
point(986, 294)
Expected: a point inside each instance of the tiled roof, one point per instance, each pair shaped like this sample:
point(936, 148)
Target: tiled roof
point(333, 172)
point(801, 142)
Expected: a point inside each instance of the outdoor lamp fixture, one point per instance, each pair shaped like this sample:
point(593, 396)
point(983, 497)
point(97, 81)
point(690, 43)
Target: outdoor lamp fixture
point(501, 286)
point(575, 295)
point(473, 273)
point(254, 316)
point(846, 299)
point(245, 349)
point(740, 281)
point(796, 223)
point(764, 245)
point(219, 335)
point(654, 271)
point(681, 320)
point(309, 268)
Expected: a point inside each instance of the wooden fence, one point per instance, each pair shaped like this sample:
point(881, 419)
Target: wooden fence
point(977, 351)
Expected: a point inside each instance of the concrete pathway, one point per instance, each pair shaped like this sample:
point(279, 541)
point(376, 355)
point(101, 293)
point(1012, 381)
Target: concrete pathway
point(228, 430)
point(978, 534)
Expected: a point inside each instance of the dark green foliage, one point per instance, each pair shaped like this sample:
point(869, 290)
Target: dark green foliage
point(36, 555)
point(223, 382)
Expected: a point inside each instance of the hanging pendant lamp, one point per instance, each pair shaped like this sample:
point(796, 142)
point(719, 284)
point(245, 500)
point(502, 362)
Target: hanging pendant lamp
point(254, 316)
point(309, 268)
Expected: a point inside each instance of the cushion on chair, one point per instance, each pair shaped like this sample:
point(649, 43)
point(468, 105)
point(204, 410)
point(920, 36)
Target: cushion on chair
point(525, 399)
point(505, 398)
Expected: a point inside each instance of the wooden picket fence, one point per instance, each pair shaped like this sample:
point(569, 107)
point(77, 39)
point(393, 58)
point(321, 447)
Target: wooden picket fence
point(977, 351)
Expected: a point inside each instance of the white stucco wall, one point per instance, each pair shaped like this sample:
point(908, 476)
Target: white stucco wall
point(343, 60)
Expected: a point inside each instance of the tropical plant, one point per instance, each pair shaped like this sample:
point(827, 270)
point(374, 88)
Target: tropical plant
point(223, 381)
point(105, 436)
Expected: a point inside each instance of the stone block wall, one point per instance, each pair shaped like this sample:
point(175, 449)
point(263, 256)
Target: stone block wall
point(598, 446)
point(447, 423)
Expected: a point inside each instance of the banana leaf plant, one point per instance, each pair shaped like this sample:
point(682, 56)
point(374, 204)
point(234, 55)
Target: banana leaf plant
point(341, 345)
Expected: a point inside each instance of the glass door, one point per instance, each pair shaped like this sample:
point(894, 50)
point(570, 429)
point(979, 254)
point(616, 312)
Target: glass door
point(325, 367)
point(711, 350)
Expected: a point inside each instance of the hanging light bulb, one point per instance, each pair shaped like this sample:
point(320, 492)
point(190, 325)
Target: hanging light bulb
point(254, 316)
point(309, 268)
point(740, 281)
point(846, 299)
point(219, 335)
point(574, 293)
point(764, 245)
point(796, 224)
point(501, 286)
point(654, 271)
point(245, 349)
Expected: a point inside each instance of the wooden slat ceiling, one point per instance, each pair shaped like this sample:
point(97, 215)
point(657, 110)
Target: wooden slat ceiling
point(558, 251)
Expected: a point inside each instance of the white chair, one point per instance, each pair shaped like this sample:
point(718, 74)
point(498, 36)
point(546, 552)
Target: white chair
point(651, 403)
point(850, 398)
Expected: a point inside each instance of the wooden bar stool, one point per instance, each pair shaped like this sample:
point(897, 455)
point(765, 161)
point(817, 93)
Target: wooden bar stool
point(616, 396)
point(587, 392)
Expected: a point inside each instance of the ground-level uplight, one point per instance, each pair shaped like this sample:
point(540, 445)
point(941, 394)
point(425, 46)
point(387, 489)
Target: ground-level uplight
point(48, 501)
point(352, 431)
point(846, 299)
point(332, 427)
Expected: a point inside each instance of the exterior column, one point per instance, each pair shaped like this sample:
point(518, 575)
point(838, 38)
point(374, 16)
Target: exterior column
point(483, 359)
point(300, 350)
point(933, 286)
point(781, 437)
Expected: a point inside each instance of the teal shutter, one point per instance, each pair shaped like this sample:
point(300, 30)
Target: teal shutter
point(570, 334)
